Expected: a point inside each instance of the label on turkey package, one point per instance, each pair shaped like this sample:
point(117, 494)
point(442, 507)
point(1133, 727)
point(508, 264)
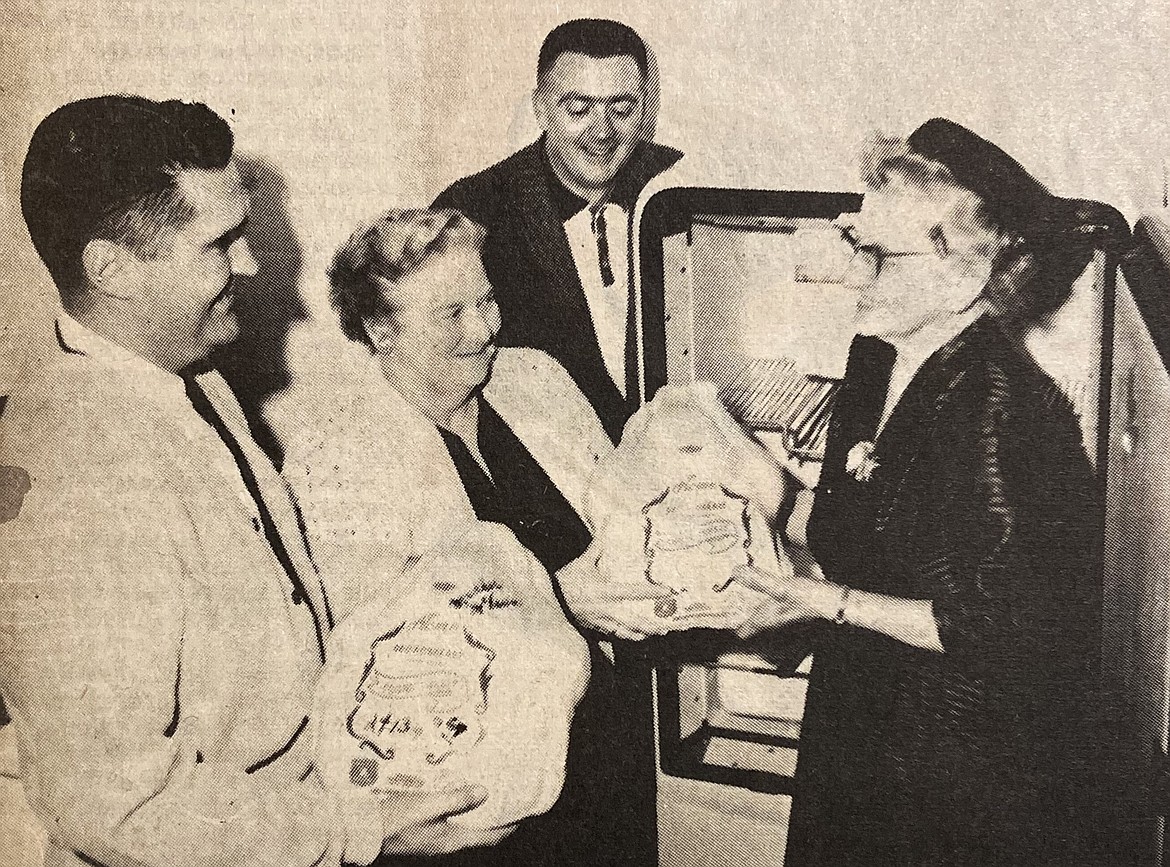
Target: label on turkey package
point(697, 535)
point(420, 701)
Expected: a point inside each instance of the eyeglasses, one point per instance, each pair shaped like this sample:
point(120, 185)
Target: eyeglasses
point(878, 255)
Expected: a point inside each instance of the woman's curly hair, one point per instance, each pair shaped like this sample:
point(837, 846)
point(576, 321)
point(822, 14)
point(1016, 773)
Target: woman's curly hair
point(384, 250)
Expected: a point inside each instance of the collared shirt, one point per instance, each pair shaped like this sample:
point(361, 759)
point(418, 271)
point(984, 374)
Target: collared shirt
point(157, 664)
point(599, 238)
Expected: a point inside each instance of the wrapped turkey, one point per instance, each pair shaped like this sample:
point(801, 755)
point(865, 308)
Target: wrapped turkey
point(686, 498)
point(471, 676)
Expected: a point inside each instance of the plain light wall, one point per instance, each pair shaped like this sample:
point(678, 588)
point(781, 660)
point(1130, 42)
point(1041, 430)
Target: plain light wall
point(362, 106)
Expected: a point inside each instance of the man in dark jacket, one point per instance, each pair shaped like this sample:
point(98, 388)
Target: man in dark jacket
point(559, 212)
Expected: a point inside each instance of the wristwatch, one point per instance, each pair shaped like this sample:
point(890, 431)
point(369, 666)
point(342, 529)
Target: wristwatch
point(839, 620)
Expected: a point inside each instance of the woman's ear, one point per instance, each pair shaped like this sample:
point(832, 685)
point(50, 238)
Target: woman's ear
point(381, 331)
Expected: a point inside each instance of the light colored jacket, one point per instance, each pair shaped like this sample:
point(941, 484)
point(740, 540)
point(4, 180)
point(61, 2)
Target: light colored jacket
point(378, 488)
point(158, 669)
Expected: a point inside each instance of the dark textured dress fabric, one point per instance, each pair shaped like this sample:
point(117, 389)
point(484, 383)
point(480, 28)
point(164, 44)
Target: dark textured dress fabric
point(606, 812)
point(983, 502)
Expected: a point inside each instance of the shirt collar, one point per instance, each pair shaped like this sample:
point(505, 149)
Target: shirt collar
point(647, 161)
point(77, 339)
point(565, 202)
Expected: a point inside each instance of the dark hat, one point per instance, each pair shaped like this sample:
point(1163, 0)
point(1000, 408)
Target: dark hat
point(1015, 200)
point(1059, 233)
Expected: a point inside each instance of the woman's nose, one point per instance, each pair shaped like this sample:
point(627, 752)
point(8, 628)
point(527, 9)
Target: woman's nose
point(478, 329)
point(242, 261)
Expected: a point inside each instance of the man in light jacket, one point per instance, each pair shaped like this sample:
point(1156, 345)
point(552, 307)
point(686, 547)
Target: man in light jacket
point(161, 625)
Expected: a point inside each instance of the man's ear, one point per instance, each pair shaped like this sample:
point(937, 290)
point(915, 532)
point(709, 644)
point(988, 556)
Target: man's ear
point(107, 267)
point(540, 107)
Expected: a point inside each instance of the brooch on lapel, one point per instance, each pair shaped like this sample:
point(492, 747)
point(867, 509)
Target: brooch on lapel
point(860, 462)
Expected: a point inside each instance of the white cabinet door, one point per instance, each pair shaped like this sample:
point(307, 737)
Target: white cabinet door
point(1137, 557)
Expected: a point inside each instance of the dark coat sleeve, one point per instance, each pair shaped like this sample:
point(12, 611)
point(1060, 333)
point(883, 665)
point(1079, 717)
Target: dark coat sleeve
point(1008, 558)
point(997, 524)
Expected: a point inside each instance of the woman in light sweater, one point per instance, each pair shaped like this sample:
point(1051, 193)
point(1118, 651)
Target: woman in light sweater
point(450, 428)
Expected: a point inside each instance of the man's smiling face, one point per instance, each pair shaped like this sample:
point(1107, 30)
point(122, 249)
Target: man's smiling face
point(591, 109)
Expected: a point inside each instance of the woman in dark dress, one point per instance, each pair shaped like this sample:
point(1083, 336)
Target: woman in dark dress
point(459, 428)
point(957, 521)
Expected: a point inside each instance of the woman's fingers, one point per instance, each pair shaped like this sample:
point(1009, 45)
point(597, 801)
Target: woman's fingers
point(761, 618)
point(411, 808)
point(640, 625)
point(455, 838)
point(422, 826)
point(458, 800)
point(762, 582)
point(622, 609)
point(629, 625)
point(442, 838)
point(624, 634)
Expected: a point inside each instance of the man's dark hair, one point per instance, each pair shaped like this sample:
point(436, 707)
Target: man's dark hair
point(107, 167)
point(593, 37)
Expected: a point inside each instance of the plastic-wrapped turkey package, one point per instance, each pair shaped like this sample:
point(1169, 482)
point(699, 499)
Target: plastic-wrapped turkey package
point(686, 498)
point(471, 676)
